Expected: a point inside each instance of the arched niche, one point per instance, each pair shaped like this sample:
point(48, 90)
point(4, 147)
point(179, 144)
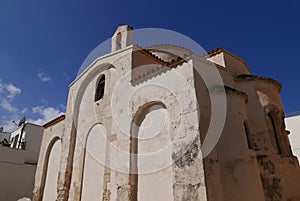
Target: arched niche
point(150, 131)
point(275, 124)
point(94, 164)
point(51, 170)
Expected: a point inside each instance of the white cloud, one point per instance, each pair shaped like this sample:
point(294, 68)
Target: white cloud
point(9, 126)
point(43, 77)
point(7, 106)
point(8, 90)
point(47, 114)
point(1, 87)
point(63, 107)
point(24, 110)
point(7, 93)
point(12, 91)
point(37, 121)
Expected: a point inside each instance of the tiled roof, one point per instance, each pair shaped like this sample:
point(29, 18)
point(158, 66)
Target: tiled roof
point(165, 63)
point(213, 52)
point(154, 57)
point(168, 45)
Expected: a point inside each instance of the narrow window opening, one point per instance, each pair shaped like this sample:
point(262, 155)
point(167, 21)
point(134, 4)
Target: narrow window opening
point(100, 88)
point(248, 135)
point(15, 141)
point(275, 133)
point(118, 41)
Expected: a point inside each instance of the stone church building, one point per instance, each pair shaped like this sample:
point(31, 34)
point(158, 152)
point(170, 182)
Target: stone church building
point(155, 124)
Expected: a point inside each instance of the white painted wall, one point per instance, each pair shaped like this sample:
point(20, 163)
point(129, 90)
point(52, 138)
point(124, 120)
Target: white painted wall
point(12, 155)
point(16, 178)
point(33, 135)
point(13, 135)
point(293, 125)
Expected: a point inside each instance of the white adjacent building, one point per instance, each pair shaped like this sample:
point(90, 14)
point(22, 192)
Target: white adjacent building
point(18, 164)
point(292, 123)
point(31, 135)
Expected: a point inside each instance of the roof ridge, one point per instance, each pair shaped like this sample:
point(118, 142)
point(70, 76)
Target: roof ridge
point(167, 63)
point(54, 121)
point(213, 52)
point(171, 45)
point(156, 57)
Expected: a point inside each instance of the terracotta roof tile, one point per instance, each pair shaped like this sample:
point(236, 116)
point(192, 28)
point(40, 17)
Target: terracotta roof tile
point(213, 52)
point(165, 63)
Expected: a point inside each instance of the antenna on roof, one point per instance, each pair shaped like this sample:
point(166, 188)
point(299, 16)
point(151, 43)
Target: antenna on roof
point(1, 129)
point(22, 121)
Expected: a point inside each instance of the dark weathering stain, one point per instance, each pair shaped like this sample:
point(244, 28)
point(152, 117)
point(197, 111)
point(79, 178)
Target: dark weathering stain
point(189, 192)
point(188, 158)
point(270, 182)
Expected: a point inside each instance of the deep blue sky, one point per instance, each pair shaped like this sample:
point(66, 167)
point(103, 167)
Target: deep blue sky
point(43, 43)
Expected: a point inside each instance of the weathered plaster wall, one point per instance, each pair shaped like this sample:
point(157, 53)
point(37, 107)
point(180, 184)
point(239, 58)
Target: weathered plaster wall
point(102, 113)
point(98, 112)
point(49, 154)
point(271, 143)
point(231, 168)
point(244, 165)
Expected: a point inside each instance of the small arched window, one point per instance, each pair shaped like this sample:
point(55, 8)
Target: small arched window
point(248, 135)
point(118, 41)
point(275, 138)
point(100, 88)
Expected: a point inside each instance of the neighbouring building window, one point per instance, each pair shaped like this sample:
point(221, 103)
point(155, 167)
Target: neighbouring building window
point(15, 141)
point(100, 88)
point(248, 135)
